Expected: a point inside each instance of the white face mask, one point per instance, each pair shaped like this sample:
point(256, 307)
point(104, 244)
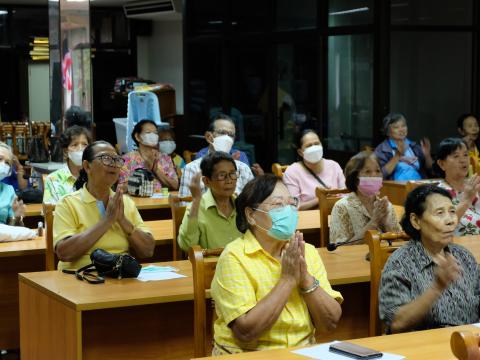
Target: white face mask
point(167, 146)
point(4, 170)
point(76, 157)
point(223, 143)
point(313, 154)
point(149, 139)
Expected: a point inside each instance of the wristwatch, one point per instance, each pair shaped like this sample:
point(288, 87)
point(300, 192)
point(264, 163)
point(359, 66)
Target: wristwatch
point(312, 288)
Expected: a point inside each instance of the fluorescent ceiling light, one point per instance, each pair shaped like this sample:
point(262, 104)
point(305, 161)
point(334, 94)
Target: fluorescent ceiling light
point(351, 11)
point(3, 12)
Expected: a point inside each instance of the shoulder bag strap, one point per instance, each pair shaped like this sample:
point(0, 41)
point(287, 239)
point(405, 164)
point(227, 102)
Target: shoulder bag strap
point(86, 273)
point(315, 176)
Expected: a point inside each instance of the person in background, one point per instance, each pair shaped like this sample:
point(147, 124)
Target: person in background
point(220, 129)
point(399, 157)
point(220, 139)
point(147, 156)
point(11, 210)
point(430, 282)
point(270, 288)
point(94, 217)
point(467, 126)
point(362, 209)
point(16, 177)
point(75, 115)
point(62, 181)
point(210, 219)
point(312, 171)
point(167, 145)
point(452, 166)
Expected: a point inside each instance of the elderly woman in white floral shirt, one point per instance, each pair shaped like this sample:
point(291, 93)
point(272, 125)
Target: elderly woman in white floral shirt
point(452, 165)
point(362, 209)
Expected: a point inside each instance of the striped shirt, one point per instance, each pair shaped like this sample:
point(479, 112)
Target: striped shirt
point(410, 271)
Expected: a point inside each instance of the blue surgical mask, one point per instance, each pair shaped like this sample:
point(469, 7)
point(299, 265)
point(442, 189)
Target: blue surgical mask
point(284, 222)
point(4, 170)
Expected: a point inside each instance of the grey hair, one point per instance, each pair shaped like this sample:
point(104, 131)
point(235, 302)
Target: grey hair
point(8, 148)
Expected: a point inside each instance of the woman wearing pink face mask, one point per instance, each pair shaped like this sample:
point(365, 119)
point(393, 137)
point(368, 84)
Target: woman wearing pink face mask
point(362, 209)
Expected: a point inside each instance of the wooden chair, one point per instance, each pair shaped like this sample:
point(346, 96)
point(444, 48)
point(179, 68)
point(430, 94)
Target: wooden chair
point(326, 199)
point(379, 254)
point(411, 185)
point(465, 345)
point(188, 156)
point(177, 207)
point(50, 259)
point(278, 169)
point(203, 272)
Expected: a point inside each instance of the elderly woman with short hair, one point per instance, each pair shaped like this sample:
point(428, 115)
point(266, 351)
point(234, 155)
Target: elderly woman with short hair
point(270, 288)
point(11, 210)
point(362, 209)
point(399, 157)
point(430, 282)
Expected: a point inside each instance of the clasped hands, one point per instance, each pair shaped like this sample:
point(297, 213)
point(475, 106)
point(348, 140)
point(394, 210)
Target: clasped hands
point(294, 265)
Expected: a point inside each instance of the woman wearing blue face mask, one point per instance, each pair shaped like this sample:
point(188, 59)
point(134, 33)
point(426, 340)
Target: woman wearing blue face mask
point(269, 282)
point(147, 156)
point(11, 210)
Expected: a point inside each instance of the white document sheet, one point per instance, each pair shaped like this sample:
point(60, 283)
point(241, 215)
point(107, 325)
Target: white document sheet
point(155, 273)
point(321, 352)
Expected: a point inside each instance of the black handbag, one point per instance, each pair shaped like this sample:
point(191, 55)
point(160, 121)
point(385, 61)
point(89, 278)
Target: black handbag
point(107, 264)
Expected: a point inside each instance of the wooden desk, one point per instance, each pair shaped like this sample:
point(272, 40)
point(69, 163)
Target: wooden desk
point(396, 190)
point(33, 210)
point(421, 345)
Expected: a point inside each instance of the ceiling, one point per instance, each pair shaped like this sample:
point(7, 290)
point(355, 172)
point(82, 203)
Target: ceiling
point(45, 2)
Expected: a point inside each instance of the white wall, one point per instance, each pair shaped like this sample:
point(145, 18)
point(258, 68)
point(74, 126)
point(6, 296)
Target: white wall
point(160, 56)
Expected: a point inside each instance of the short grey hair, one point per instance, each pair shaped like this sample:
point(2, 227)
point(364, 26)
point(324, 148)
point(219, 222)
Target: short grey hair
point(8, 148)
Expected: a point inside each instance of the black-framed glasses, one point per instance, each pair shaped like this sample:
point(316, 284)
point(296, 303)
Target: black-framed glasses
point(109, 160)
point(234, 175)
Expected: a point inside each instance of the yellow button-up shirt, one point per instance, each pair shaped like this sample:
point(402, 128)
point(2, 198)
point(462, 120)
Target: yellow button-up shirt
point(245, 274)
point(78, 212)
point(211, 229)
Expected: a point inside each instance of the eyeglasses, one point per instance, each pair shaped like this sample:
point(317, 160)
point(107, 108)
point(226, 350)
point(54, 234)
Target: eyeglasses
point(224, 132)
point(109, 160)
point(234, 175)
point(279, 202)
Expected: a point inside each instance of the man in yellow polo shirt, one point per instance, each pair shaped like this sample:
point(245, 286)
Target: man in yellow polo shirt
point(210, 219)
point(270, 288)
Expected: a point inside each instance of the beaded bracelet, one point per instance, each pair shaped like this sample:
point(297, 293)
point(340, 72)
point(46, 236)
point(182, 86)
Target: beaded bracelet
point(312, 288)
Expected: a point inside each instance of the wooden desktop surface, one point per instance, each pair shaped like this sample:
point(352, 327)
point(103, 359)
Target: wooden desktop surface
point(421, 345)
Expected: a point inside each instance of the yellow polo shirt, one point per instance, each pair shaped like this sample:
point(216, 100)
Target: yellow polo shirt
point(78, 212)
point(211, 229)
point(245, 274)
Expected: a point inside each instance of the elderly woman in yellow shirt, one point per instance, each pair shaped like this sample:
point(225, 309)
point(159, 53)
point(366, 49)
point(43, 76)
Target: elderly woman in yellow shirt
point(94, 216)
point(270, 288)
point(210, 218)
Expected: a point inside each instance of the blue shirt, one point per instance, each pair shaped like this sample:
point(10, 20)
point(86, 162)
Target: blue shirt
point(243, 157)
point(406, 169)
point(11, 180)
point(7, 194)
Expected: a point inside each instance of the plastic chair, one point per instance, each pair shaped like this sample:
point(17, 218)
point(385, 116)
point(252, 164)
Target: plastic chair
point(141, 105)
point(378, 257)
point(203, 272)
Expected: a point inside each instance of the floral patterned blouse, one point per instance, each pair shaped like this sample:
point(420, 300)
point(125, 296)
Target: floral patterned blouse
point(469, 224)
point(133, 161)
point(58, 184)
point(349, 216)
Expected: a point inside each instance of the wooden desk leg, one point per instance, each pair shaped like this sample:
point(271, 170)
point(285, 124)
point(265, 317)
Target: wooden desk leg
point(48, 328)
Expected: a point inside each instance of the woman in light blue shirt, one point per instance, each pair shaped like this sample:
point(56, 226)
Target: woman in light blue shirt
point(11, 210)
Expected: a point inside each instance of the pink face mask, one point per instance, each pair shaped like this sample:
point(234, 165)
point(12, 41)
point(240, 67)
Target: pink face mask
point(369, 186)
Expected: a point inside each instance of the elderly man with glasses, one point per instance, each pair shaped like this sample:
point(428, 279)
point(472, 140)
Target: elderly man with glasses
point(220, 138)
